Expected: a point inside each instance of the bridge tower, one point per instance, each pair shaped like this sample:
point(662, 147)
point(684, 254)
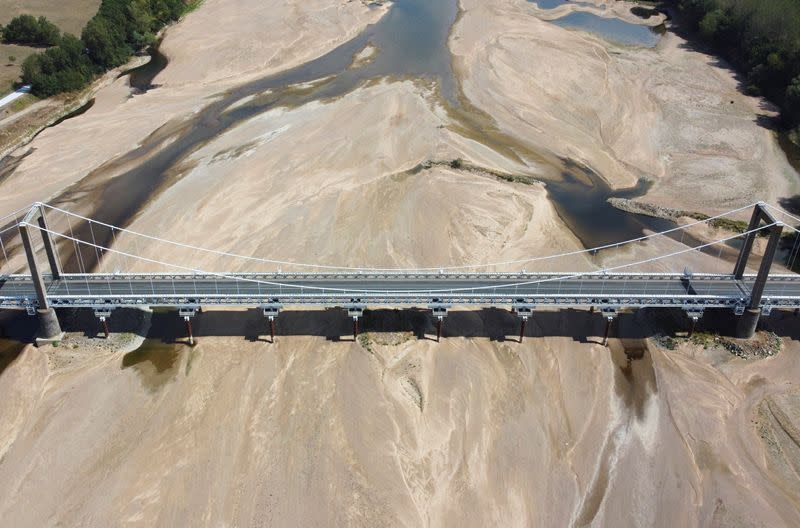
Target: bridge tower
point(748, 321)
point(49, 327)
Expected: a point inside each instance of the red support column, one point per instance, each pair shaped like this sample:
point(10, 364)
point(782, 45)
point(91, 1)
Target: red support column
point(189, 330)
point(271, 329)
point(608, 330)
point(105, 326)
point(355, 328)
point(522, 329)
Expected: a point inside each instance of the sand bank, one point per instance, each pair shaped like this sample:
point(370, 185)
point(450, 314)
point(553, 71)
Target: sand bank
point(393, 430)
point(670, 114)
point(353, 198)
point(118, 122)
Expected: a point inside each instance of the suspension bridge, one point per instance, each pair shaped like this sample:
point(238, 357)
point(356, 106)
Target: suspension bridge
point(54, 258)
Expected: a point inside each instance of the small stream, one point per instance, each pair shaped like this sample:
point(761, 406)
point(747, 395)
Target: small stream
point(141, 78)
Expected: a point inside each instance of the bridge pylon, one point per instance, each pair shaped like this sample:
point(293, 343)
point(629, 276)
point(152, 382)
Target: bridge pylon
point(49, 327)
point(748, 321)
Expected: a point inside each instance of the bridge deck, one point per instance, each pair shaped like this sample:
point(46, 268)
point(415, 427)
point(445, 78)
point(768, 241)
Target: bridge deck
point(540, 289)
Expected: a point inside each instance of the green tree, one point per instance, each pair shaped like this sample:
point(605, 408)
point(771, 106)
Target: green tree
point(59, 69)
point(104, 44)
point(25, 29)
point(49, 34)
point(118, 28)
point(760, 38)
point(714, 23)
point(791, 102)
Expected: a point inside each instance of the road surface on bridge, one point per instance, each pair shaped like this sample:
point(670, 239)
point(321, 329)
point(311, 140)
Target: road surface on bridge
point(324, 289)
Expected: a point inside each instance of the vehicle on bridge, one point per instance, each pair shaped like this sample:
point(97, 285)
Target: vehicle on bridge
point(607, 290)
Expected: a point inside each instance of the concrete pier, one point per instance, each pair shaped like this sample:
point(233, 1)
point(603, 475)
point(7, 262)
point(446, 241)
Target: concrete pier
point(49, 327)
point(748, 323)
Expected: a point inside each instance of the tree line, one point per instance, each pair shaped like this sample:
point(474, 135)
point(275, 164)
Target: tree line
point(119, 28)
point(761, 38)
point(30, 31)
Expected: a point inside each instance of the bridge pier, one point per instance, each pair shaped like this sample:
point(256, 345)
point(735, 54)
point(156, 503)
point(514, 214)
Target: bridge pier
point(694, 315)
point(524, 311)
point(189, 330)
point(747, 324)
point(187, 314)
point(609, 315)
point(271, 312)
point(355, 311)
point(103, 315)
point(49, 327)
point(439, 312)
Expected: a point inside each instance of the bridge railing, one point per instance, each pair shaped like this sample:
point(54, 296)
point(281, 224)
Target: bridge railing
point(49, 239)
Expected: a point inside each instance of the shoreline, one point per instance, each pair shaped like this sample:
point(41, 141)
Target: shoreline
point(74, 103)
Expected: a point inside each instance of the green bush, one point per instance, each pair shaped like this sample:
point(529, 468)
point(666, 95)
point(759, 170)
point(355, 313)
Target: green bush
point(105, 45)
point(25, 29)
point(59, 69)
point(119, 28)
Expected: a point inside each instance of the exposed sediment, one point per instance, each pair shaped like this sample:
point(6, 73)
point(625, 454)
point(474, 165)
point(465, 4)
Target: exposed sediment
point(393, 428)
point(649, 209)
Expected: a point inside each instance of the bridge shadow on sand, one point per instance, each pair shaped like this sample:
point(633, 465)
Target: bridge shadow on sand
point(334, 325)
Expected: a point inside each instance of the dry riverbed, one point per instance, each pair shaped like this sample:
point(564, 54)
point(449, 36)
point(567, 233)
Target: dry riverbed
point(395, 429)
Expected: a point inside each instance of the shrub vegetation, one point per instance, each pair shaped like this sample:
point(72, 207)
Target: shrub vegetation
point(30, 31)
point(119, 28)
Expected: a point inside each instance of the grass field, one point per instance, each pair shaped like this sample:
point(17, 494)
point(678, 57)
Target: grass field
point(69, 15)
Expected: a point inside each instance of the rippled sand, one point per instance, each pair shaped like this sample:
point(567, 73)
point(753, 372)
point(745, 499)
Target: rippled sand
point(395, 429)
point(399, 430)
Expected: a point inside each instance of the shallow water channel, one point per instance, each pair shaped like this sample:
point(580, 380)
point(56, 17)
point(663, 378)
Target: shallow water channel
point(411, 40)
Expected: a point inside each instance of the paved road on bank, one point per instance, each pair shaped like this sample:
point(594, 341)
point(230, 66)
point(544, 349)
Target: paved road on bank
point(13, 96)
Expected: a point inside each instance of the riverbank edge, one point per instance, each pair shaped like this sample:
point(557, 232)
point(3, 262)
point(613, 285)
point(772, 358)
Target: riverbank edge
point(668, 213)
point(73, 104)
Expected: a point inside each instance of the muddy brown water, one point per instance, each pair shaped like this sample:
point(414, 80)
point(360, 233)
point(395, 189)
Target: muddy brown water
point(411, 40)
point(156, 363)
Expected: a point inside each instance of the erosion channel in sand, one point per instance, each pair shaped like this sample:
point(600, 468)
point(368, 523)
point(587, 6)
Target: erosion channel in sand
point(411, 42)
point(342, 148)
